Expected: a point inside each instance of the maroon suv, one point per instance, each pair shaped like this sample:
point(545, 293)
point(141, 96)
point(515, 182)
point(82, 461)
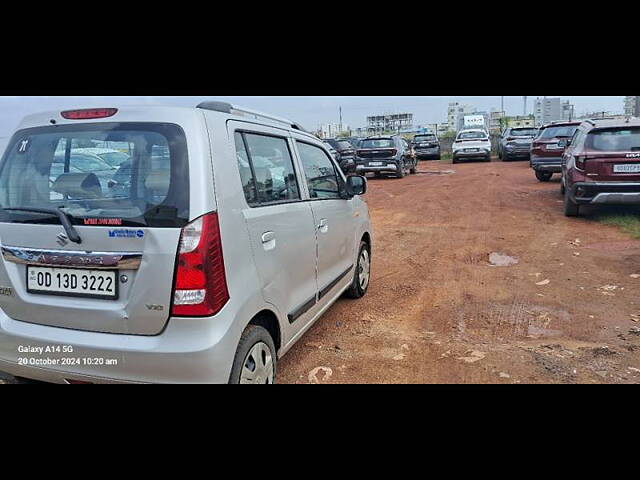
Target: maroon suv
point(602, 165)
point(549, 146)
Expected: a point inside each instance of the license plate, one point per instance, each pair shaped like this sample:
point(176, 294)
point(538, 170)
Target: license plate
point(375, 164)
point(554, 147)
point(472, 150)
point(631, 168)
point(72, 282)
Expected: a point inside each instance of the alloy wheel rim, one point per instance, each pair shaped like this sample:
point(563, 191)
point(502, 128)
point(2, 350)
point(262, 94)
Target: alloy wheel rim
point(257, 367)
point(364, 267)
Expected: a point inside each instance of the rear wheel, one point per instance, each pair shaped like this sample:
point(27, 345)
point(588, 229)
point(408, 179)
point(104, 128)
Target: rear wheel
point(543, 176)
point(414, 168)
point(401, 170)
point(255, 359)
point(362, 273)
point(505, 157)
point(571, 209)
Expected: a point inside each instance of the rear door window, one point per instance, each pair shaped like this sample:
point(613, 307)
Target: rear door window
point(142, 181)
point(266, 169)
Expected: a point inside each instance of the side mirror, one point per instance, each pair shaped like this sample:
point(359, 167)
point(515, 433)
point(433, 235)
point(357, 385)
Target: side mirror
point(356, 185)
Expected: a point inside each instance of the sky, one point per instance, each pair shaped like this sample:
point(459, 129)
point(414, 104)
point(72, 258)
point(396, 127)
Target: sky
point(310, 112)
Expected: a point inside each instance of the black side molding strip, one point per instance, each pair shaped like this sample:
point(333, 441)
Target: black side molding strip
point(298, 312)
point(328, 288)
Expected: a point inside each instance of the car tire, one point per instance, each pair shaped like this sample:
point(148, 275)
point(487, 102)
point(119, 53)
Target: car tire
point(438, 157)
point(562, 187)
point(505, 157)
point(256, 351)
point(571, 209)
point(488, 159)
point(401, 171)
point(414, 169)
point(543, 176)
point(359, 286)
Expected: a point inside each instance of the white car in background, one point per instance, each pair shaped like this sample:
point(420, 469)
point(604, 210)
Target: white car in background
point(472, 144)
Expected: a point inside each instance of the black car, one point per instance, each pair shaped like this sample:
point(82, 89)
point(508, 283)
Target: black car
point(426, 146)
point(382, 155)
point(346, 154)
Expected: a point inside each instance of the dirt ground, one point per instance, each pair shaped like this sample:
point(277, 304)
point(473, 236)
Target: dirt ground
point(438, 312)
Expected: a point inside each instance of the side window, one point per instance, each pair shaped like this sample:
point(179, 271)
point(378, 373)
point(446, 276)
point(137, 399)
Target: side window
point(576, 140)
point(319, 171)
point(246, 175)
point(268, 166)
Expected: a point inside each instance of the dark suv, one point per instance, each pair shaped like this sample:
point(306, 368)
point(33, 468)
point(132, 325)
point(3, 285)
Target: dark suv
point(516, 143)
point(346, 154)
point(426, 146)
point(381, 155)
point(549, 146)
point(601, 165)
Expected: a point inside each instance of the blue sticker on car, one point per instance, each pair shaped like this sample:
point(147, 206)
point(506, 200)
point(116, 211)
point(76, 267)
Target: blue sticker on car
point(124, 233)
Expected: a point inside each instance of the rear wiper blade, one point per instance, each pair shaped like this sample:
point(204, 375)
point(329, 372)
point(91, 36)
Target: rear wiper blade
point(64, 220)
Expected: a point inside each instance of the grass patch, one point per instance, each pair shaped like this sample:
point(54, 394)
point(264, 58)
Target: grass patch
point(627, 222)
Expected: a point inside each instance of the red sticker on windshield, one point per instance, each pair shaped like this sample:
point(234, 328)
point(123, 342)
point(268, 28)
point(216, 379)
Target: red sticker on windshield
point(103, 221)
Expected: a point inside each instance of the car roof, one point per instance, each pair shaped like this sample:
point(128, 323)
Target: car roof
point(162, 113)
point(601, 123)
point(561, 124)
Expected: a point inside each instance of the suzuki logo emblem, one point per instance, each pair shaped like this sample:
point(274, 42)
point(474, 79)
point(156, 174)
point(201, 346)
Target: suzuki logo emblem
point(62, 239)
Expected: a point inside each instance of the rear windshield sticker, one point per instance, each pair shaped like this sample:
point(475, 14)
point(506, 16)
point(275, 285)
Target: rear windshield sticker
point(103, 221)
point(126, 233)
point(23, 146)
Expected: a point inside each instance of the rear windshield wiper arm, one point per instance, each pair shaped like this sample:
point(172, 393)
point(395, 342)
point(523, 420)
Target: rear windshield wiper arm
point(64, 220)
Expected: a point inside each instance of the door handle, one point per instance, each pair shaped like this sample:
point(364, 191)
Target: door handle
point(268, 236)
point(324, 225)
point(268, 241)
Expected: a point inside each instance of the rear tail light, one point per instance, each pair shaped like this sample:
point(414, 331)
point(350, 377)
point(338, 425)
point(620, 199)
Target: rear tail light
point(89, 113)
point(580, 162)
point(200, 284)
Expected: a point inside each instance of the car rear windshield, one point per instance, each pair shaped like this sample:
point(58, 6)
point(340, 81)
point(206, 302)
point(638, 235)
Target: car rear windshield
point(615, 140)
point(524, 132)
point(472, 136)
point(424, 138)
point(344, 145)
point(559, 132)
point(132, 174)
point(377, 143)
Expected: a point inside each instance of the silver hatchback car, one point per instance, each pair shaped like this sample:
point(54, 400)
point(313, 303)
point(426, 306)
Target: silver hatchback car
point(212, 247)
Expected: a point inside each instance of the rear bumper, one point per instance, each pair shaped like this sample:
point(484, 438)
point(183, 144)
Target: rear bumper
point(606, 193)
point(470, 155)
point(517, 153)
point(188, 351)
point(546, 164)
point(390, 167)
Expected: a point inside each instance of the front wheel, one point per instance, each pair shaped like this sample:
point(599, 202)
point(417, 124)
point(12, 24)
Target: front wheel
point(255, 359)
point(543, 176)
point(401, 170)
point(362, 274)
